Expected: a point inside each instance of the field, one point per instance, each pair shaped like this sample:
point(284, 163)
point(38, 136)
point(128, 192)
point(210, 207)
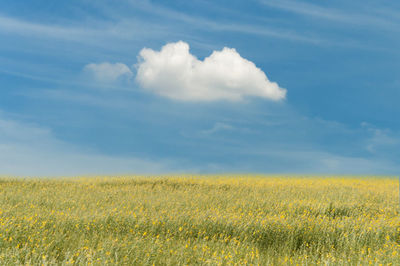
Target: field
point(200, 220)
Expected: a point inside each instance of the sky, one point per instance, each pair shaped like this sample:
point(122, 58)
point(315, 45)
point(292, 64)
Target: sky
point(156, 87)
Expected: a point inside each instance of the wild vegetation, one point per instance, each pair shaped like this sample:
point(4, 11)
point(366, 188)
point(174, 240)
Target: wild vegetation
point(179, 220)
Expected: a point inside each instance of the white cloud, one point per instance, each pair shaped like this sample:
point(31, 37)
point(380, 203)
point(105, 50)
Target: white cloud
point(107, 72)
point(175, 73)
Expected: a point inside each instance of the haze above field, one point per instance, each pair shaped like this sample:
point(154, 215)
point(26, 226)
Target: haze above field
point(100, 87)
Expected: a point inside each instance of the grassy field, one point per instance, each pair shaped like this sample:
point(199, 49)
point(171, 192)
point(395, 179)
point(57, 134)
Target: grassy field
point(200, 220)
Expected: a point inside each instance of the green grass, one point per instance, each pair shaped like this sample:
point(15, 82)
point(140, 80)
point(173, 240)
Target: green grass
point(200, 220)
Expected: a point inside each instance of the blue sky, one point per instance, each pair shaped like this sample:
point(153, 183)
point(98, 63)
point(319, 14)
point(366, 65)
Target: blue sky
point(75, 97)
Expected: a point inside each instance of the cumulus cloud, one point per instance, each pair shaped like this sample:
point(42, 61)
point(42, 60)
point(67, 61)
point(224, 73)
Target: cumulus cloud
point(108, 72)
point(175, 73)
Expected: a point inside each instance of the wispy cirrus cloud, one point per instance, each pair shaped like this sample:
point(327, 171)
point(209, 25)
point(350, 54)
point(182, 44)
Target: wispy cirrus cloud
point(380, 141)
point(218, 126)
point(361, 17)
point(28, 149)
point(125, 27)
point(95, 33)
point(216, 25)
point(108, 72)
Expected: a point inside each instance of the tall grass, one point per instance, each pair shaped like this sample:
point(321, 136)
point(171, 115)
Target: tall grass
point(200, 220)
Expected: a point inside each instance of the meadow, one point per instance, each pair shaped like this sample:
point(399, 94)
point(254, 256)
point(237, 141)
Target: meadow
point(202, 220)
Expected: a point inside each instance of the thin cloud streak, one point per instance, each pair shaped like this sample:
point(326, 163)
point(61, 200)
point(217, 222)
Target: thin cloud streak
point(91, 34)
point(262, 29)
point(100, 33)
point(333, 14)
point(207, 24)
